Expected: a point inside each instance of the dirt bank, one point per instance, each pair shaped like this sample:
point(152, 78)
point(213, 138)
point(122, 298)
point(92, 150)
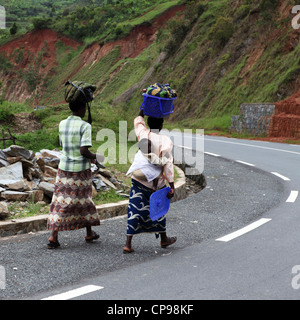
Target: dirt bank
point(132, 45)
point(286, 121)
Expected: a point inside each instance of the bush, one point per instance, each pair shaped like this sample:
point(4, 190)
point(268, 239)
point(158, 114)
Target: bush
point(222, 31)
point(14, 29)
point(5, 64)
point(5, 114)
point(178, 30)
point(266, 8)
point(268, 5)
point(41, 23)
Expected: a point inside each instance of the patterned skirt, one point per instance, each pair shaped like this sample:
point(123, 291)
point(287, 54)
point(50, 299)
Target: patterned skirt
point(138, 220)
point(72, 206)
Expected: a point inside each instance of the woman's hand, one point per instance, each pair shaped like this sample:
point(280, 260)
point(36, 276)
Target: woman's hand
point(141, 113)
point(171, 194)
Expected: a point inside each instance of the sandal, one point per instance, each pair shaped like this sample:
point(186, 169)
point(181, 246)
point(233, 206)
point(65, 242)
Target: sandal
point(95, 236)
point(170, 241)
point(127, 250)
point(53, 244)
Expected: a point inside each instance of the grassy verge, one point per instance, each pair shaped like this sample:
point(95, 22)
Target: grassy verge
point(27, 209)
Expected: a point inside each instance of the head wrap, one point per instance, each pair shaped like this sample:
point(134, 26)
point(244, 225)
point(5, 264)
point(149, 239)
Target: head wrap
point(77, 90)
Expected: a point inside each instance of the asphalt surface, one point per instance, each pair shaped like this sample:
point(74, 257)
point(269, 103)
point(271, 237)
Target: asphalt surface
point(235, 195)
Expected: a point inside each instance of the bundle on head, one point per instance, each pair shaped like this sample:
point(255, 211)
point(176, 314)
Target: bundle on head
point(78, 93)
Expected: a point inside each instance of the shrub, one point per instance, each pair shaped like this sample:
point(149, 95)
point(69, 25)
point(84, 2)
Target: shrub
point(178, 30)
point(41, 23)
point(222, 31)
point(266, 7)
point(5, 114)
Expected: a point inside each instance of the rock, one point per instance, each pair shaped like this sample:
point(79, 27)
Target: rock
point(31, 173)
point(38, 155)
point(51, 153)
point(14, 195)
point(11, 174)
point(36, 195)
point(26, 163)
point(18, 186)
point(31, 185)
point(124, 195)
point(4, 212)
point(3, 163)
point(2, 155)
point(50, 172)
point(52, 162)
point(13, 160)
point(105, 173)
point(15, 151)
point(47, 187)
point(110, 184)
point(98, 183)
point(3, 159)
point(41, 163)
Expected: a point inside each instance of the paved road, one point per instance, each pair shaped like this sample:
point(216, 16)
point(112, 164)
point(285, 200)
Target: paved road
point(254, 265)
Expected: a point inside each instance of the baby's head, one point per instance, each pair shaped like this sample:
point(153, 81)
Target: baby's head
point(146, 146)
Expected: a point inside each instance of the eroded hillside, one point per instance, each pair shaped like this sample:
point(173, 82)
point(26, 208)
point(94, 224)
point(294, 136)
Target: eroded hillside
point(216, 54)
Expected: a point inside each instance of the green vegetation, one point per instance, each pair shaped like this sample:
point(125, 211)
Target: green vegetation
point(29, 209)
point(109, 196)
point(84, 20)
point(219, 54)
point(222, 31)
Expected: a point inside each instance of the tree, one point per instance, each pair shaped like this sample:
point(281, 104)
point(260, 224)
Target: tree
point(40, 23)
point(14, 29)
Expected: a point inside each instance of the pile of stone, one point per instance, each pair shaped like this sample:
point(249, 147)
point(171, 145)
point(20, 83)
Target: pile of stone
point(29, 176)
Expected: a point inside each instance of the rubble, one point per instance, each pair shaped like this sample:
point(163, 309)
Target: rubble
point(29, 176)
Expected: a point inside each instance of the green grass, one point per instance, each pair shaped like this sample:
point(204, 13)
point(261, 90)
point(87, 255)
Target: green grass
point(109, 196)
point(153, 12)
point(29, 209)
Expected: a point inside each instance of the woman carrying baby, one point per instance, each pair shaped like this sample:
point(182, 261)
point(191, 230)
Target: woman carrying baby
point(152, 167)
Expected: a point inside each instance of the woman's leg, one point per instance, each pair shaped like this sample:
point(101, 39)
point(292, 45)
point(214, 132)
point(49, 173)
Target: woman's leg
point(166, 241)
point(90, 234)
point(128, 248)
point(53, 241)
point(53, 236)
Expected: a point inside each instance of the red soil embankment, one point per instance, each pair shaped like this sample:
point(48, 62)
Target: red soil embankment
point(286, 121)
point(32, 43)
point(132, 45)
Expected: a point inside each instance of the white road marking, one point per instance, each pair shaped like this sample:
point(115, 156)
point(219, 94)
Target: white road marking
point(184, 147)
point(212, 154)
point(293, 196)
point(246, 163)
point(281, 176)
point(75, 293)
point(244, 230)
point(253, 146)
